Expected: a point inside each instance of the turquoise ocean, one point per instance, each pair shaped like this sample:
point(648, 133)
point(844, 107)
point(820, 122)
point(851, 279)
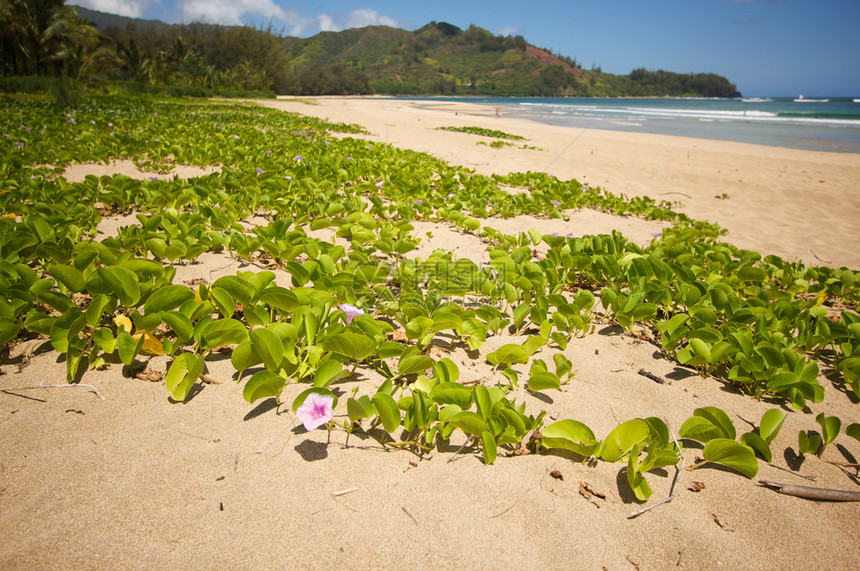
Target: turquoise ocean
point(823, 124)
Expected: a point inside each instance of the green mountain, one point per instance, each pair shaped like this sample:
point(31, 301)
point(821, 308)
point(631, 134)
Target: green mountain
point(442, 59)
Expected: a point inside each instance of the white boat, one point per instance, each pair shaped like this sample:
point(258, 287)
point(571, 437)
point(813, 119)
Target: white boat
point(856, 100)
point(802, 99)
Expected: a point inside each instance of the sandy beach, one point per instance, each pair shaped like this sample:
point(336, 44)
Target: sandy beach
point(110, 474)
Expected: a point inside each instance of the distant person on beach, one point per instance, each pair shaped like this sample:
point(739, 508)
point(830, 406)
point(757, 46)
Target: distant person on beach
point(498, 112)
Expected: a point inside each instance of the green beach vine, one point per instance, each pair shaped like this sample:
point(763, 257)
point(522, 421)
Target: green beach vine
point(318, 309)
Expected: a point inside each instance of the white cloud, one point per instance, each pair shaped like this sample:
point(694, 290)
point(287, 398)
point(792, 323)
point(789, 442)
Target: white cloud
point(365, 17)
point(229, 12)
point(509, 31)
point(128, 8)
point(327, 24)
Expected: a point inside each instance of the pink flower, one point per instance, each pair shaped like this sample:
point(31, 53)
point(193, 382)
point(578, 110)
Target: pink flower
point(556, 203)
point(315, 411)
point(350, 311)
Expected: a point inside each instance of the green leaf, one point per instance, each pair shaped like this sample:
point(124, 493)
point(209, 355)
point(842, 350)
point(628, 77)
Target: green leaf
point(269, 347)
point(241, 290)
point(445, 370)
point(122, 283)
point(732, 455)
point(180, 324)
point(182, 374)
point(751, 274)
point(483, 402)
point(328, 372)
point(69, 276)
point(66, 328)
point(223, 301)
point(128, 347)
point(623, 438)
point(411, 363)
point(700, 429)
point(637, 482)
point(830, 427)
point(283, 300)
point(446, 320)
point(808, 442)
point(264, 384)
point(771, 423)
point(469, 422)
point(244, 356)
point(534, 342)
point(97, 308)
point(451, 393)
point(509, 353)
point(570, 435)
point(719, 419)
point(758, 444)
point(220, 332)
point(167, 298)
point(853, 430)
point(351, 345)
point(387, 410)
point(544, 381)
point(359, 408)
point(489, 447)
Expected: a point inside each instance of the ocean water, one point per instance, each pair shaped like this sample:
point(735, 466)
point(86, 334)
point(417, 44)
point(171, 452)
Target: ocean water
point(831, 125)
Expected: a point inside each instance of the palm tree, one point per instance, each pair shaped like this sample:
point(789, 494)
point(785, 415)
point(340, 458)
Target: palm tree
point(74, 44)
point(30, 20)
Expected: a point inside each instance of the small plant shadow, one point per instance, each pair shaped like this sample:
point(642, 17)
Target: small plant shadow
point(846, 454)
point(195, 390)
point(311, 451)
point(261, 408)
point(792, 460)
point(542, 397)
point(627, 495)
point(611, 330)
point(679, 374)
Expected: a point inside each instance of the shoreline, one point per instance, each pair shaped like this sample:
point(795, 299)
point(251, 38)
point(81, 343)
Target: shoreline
point(797, 204)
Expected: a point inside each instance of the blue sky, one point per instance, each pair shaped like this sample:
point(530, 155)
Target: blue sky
point(765, 47)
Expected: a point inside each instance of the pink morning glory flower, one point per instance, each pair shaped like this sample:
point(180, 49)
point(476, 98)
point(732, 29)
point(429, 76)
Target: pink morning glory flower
point(419, 201)
point(350, 311)
point(299, 158)
point(315, 411)
point(260, 171)
point(585, 187)
point(556, 203)
point(379, 184)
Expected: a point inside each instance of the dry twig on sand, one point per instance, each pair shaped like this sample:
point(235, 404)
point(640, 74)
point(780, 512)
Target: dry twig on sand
point(92, 388)
point(812, 493)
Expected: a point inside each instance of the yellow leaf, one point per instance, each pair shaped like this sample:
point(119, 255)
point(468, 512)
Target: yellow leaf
point(822, 297)
point(150, 343)
point(197, 297)
point(123, 321)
